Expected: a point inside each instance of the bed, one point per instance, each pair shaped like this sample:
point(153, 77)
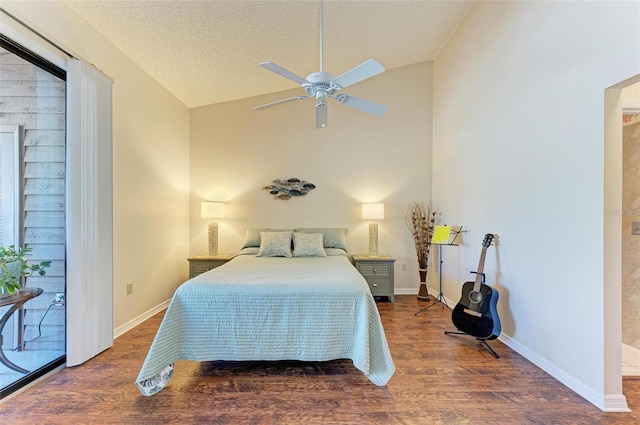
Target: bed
point(298, 298)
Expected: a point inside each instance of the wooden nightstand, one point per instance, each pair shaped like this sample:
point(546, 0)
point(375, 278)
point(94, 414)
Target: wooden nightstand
point(378, 272)
point(203, 263)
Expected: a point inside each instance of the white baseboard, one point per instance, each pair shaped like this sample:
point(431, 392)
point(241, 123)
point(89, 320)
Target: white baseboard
point(121, 330)
point(405, 291)
point(615, 404)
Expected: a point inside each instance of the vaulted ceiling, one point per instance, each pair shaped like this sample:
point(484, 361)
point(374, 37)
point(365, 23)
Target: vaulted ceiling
point(207, 52)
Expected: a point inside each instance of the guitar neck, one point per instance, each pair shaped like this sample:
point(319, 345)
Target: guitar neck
point(479, 273)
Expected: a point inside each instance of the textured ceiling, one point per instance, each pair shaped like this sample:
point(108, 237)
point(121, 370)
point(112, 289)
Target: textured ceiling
point(208, 52)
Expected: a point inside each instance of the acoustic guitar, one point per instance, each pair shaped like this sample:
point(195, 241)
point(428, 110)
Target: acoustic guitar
point(475, 314)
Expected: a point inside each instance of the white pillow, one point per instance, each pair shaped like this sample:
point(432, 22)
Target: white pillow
point(308, 245)
point(275, 244)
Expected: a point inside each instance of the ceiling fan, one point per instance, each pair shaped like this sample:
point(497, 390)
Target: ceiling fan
point(322, 85)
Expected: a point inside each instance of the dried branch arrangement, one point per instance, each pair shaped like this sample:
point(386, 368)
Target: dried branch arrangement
point(421, 218)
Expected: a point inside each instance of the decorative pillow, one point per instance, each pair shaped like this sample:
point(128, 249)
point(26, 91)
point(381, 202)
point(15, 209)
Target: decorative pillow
point(275, 244)
point(252, 237)
point(334, 237)
point(250, 250)
point(335, 251)
point(308, 245)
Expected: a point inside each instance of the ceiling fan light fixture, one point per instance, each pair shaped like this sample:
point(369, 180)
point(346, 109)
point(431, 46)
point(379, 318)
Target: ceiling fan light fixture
point(321, 114)
point(320, 77)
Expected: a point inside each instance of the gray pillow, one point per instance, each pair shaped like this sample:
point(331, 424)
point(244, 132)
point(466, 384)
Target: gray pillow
point(334, 237)
point(250, 250)
point(335, 251)
point(252, 236)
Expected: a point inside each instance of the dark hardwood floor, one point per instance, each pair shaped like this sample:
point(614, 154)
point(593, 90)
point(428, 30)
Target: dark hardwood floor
point(439, 379)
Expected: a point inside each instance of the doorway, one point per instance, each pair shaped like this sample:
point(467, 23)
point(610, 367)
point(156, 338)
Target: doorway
point(612, 293)
point(631, 231)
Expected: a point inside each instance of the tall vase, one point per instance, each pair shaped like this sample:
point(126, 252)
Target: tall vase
point(423, 293)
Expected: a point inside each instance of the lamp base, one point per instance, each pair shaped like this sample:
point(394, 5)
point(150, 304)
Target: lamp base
point(373, 239)
point(213, 238)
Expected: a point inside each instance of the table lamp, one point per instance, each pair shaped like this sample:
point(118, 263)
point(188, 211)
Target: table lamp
point(212, 210)
point(373, 212)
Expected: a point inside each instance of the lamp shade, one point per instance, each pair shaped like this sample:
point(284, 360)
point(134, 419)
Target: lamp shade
point(373, 211)
point(212, 209)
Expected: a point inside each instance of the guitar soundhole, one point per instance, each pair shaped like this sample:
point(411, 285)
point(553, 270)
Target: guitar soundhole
point(475, 297)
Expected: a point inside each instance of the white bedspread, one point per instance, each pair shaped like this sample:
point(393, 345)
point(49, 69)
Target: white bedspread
point(255, 308)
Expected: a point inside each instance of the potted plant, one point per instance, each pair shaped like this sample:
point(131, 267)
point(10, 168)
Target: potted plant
point(421, 218)
point(14, 266)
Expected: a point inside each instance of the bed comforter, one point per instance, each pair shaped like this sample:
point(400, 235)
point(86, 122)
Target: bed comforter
point(256, 308)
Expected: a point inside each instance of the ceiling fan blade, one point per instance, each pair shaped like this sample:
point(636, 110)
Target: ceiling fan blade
point(321, 115)
point(278, 102)
point(363, 105)
point(361, 72)
point(274, 67)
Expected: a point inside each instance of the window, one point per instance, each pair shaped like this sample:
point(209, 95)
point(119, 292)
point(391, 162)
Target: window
point(32, 149)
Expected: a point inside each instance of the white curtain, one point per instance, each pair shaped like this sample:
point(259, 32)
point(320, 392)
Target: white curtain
point(89, 213)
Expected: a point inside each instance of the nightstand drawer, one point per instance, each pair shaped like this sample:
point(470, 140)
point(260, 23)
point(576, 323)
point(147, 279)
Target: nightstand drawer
point(370, 269)
point(202, 266)
point(379, 287)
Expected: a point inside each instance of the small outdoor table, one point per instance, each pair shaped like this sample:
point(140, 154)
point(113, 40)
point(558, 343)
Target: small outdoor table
point(16, 300)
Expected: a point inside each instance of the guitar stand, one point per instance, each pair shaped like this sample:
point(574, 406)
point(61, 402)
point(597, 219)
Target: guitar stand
point(484, 341)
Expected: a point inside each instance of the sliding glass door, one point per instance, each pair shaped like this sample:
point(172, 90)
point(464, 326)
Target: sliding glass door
point(32, 150)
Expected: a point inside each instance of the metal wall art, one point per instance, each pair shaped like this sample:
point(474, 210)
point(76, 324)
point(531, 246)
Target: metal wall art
point(286, 189)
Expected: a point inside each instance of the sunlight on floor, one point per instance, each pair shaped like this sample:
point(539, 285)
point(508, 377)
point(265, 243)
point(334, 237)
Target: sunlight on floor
point(630, 361)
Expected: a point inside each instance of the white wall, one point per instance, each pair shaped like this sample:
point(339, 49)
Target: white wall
point(519, 152)
point(235, 151)
point(150, 160)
